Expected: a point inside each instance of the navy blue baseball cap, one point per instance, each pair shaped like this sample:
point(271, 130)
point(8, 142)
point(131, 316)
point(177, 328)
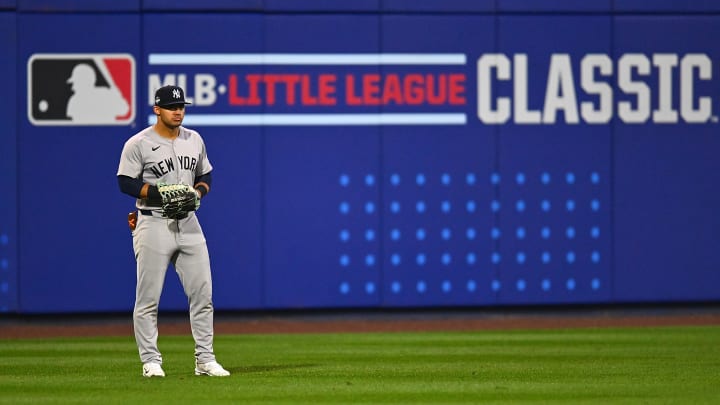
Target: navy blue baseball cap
point(170, 95)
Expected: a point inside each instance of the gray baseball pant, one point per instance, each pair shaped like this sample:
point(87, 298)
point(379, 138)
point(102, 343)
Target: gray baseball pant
point(157, 243)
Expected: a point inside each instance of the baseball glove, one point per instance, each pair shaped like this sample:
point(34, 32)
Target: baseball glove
point(178, 200)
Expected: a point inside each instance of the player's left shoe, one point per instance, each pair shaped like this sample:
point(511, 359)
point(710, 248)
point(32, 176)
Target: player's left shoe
point(213, 369)
point(153, 370)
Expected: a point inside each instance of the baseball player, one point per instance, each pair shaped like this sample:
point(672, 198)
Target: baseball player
point(160, 165)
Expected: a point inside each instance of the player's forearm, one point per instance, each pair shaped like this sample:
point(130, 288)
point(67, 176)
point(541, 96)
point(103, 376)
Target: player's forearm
point(148, 192)
point(137, 188)
point(202, 183)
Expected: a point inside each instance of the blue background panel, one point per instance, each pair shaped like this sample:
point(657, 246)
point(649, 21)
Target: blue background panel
point(231, 215)
point(438, 6)
point(375, 215)
point(666, 177)
point(205, 5)
point(8, 4)
point(436, 222)
point(321, 5)
point(318, 205)
point(78, 5)
point(319, 33)
point(322, 208)
point(436, 189)
point(553, 179)
point(676, 6)
point(554, 5)
point(8, 166)
point(75, 255)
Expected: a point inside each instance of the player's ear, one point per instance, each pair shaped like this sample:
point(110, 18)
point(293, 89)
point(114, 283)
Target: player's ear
point(156, 110)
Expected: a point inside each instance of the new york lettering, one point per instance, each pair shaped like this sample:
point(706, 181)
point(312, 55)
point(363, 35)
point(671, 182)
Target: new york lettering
point(166, 166)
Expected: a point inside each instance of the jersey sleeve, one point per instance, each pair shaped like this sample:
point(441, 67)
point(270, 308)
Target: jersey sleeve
point(204, 166)
point(131, 160)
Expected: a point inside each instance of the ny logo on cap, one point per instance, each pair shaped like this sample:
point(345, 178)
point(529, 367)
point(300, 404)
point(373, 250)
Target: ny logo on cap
point(176, 93)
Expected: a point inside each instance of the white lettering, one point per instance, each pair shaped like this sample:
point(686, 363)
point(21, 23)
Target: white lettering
point(182, 82)
point(627, 64)
point(560, 91)
point(520, 93)
point(603, 114)
point(485, 65)
point(205, 89)
point(641, 99)
point(665, 113)
point(703, 64)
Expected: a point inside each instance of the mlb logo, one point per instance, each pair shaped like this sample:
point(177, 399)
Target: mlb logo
point(81, 89)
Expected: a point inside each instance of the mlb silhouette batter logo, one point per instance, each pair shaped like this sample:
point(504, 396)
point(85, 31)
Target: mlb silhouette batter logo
point(81, 89)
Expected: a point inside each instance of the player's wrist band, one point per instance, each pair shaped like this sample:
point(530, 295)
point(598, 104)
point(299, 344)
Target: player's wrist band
point(202, 188)
point(153, 193)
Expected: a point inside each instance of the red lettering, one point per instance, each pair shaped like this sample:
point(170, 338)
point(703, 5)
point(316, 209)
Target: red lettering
point(254, 89)
point(457, 89)
point(290, 82)
point(436, 89)
point(371, 89)
point(270, 81)
point(326, 89)
point(391, 90)
point(235, 99)
point(307, 98)
point(414, 90)
point(350, 97)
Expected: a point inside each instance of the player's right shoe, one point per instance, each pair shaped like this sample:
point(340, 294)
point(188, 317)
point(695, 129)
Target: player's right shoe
point(213, 369)
point(153, 370)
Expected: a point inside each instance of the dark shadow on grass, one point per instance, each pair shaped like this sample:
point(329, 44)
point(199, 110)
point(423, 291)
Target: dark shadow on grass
point(268, 368)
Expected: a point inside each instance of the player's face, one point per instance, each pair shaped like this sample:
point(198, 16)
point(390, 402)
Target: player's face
point(171, 116)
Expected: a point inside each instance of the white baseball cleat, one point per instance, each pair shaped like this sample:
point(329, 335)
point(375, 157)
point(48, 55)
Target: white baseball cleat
point(152, 370)
point(213, 369)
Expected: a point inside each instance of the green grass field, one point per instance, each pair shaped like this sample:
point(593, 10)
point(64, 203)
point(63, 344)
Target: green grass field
point(575, 366)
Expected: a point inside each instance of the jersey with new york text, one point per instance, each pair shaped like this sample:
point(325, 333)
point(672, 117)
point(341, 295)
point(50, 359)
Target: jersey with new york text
point(154, 159)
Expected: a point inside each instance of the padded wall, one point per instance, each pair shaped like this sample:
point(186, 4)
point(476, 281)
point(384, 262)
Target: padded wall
point(374, 153)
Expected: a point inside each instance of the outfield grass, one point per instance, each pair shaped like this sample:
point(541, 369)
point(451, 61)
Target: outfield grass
point(576, 366)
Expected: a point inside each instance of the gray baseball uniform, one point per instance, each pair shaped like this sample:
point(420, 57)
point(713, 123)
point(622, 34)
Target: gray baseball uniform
point(159, 241)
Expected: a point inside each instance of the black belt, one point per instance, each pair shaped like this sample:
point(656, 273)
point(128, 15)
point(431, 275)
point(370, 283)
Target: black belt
point(152, 213)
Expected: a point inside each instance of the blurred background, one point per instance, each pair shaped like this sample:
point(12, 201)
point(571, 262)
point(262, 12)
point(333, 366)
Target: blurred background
point(372, 153)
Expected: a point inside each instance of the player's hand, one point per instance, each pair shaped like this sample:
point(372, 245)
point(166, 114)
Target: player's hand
point(178, 200)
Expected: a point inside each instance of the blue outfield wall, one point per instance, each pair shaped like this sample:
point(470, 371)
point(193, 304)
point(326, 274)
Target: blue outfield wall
point(374, 153)
point(8, 166)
